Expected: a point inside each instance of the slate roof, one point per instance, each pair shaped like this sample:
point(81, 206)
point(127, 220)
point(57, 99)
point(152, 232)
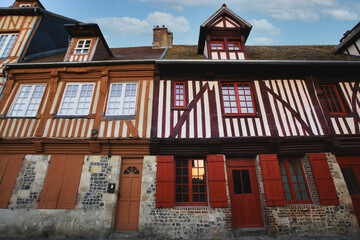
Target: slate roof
point(306, 52)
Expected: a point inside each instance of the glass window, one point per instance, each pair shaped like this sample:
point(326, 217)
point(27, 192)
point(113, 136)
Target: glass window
point(333, 101)
point(83, 47)
point(217, 45)
point(122, 99)
point(293, 179)
point(27, 100)
point(77, 99)
point(241, 181)
point(238, 99)
point(234, 45)
point(7, 42)
point(190, 182)
point(179, 99)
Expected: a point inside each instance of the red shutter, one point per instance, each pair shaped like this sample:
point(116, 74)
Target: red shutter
point(273, 185)
point(217, 183)
point(50, 193)
point(9, 169)
point(70, 182)
point(165, 185)
point(323, 179)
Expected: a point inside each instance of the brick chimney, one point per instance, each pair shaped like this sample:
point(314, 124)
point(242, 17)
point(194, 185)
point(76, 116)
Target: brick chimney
point(162, 37)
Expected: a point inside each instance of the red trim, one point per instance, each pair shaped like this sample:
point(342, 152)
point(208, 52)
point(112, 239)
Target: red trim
point(292, 183)
point(239, 99)
point(186, 185)
point(333, 100)
point(235, 44)
point(217, 182)
point(165, 186)
point(178, 102)
point(217, 45)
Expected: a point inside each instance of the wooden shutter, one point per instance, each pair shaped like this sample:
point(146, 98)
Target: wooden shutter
point(273, 185)
point(323, 179)
point(217, 182)
point(10, 165)
point(165, 185)
point(61, 182)
point(50, 193)
point(70, 182)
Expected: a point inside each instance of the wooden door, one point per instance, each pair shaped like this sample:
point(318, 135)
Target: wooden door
point(127, 213)
point(351, 175)
point(244, 195)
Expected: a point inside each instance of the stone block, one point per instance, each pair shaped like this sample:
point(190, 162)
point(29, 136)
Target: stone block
point(108, 198)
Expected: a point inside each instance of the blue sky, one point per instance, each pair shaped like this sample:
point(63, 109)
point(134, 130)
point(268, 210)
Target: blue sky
point(127, 23)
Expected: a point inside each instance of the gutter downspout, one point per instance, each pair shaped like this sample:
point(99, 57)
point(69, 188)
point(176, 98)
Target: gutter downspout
point(31, 33)
point(4, 73)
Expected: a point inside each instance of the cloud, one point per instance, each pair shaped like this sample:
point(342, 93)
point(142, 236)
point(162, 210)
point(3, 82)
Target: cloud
point(130, 27)
point(340, 14)
point(263, 26)
point(301, 10)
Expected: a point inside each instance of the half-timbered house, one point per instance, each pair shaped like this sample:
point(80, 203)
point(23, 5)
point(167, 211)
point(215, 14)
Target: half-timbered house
point(75, 130)
point(253, 139)
point(216, 140)
point(28, 31)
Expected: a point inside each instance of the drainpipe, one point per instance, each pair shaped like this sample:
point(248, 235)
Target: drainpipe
point(29, 36)
point(4, 73)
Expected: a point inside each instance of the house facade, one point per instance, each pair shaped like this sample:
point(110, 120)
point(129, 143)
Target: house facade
point(217, 140)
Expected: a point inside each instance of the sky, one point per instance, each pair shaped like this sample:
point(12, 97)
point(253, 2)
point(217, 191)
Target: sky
point(129, 23)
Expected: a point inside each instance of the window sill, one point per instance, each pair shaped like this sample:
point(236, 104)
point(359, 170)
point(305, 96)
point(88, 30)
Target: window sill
point(119, 117)
point(340, 115)
point(55, 116)
point(242, 115)
point(180, 108)
point(18, 117)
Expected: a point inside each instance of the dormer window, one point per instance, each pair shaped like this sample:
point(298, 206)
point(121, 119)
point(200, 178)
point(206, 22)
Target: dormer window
point(7, 42)
point(217, 45)
point(233, 46)
point(24, 5)
point(83, 47)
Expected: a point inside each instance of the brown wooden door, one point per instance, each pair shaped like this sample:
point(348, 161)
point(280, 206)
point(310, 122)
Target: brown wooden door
point(244, 195)
point(127, 213)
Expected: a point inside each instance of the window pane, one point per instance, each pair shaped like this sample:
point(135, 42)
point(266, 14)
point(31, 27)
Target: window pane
point(237, 182)
point(332, 99)
point(27, 101)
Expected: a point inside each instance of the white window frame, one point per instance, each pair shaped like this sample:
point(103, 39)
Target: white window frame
point(122, 99)
point(77, 97)
point(24, 5)
point(27, 102)
point(82, 48)
point(7, 44)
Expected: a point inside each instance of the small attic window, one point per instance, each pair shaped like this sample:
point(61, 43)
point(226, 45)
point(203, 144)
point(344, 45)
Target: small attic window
point(217, 45)
point(233, 45)
point(83, 46)
point(24, 5)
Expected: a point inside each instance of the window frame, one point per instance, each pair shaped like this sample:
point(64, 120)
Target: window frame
point(184, 95)
point(239, 113)
point(190, 184)
point(122, 98)
point(290, 182)
point(338, 95)
point(234, 42)
point(27, 103)
point(58, 114)
point(216, 43)
point(24, 5)
point(6, 44)
point(83, 48)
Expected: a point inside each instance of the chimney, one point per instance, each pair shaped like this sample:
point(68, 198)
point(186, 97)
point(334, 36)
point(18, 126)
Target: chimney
point(162, 37)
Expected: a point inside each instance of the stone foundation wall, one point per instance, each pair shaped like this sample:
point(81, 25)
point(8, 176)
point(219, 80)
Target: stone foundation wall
point(313, 219)
point(178, 222)
point(94, 212)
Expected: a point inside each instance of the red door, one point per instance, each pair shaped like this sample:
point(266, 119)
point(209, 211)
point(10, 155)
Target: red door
point(127, 213)
point(244, 194)
point(350, 168)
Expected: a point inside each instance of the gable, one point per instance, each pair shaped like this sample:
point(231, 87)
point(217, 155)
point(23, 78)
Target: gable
point(225, 22)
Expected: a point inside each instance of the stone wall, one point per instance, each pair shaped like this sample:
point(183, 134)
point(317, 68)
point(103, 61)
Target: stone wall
point(94, 212)
point(178, 222)
point(313, 219)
